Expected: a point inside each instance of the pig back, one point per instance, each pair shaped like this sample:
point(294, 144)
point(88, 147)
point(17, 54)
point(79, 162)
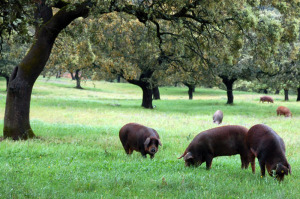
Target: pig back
point(221, 141)
point(218, 117)
point(266, 99)
point(135, 135)
point(264, 141)
point(283, 110)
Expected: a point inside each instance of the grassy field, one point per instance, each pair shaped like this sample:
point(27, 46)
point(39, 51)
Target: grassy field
point(79, 154)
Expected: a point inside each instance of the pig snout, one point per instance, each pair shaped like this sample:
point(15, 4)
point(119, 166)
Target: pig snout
point(153, 150)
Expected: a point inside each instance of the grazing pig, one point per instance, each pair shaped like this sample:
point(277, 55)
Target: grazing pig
point(282, 110)
point(139, 138)
point(266, 99)
point(220, 141)
point(269, 148)
point(218, 117)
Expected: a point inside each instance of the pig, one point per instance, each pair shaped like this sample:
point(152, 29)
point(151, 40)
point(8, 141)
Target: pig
point(282, 110)
point(218, 117)
point(139, 138)
point(265, 144)
point(219, 141)
point(266, 99)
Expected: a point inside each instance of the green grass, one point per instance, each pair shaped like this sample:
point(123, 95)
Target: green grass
point(79, 154)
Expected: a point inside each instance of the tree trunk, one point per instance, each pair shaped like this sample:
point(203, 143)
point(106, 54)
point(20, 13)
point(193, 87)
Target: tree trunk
point(16, 118)
point(118, 78)
point(190, 92)
point(156, 94)
point(191, 89)
point(277, 92)
point(147, 97)
point(298, 94)
point(286, 94)
point(77, 79)
point(146, 87)
point(229, 84)
point(265, 91)
point(72, 76)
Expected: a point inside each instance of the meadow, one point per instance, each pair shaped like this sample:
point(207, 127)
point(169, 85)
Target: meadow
point(78, 153)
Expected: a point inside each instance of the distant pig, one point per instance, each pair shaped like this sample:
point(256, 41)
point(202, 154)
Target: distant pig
point(269, 148)
point(282, 110)
point(139, 138)
point(220, 141)
point(218, 117)
point(266, 99)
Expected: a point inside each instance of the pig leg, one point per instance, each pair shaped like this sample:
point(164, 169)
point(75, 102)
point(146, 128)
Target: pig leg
point(262, 167)
point(208, 160)
point(151, 156)
point(128, 150)
point(143, 153)
point(252, 161)
point(245, 161)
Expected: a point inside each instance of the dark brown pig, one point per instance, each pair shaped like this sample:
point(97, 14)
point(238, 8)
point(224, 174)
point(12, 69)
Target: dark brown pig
point(220, 141)
point(269, 148)
point(218, 117)
point(139, 138)
point(266, 99)
point(282, 110)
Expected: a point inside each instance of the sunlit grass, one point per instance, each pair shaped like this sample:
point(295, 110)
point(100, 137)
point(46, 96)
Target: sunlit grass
point(79, 155)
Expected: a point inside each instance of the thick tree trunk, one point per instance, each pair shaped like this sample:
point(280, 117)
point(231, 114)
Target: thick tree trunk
point(190, 92)
point(16, 119)
point(146, 87)
point(277, 92)
point(191, 89)
point(298, 94)
point(156, 94)
point(77, 79)
point(286, 94)
point(118, 78)
point(147, 97)
point(229, 84)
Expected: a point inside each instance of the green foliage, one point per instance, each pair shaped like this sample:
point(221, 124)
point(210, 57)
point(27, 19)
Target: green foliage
point(12, 53)
point(78, 153)
point(15, 19)
point(72, 51)
point(124, 46)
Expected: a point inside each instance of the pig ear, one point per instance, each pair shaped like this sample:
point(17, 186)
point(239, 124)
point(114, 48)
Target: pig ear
point(159, 142)
point(147, 141)
point(188, 156)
